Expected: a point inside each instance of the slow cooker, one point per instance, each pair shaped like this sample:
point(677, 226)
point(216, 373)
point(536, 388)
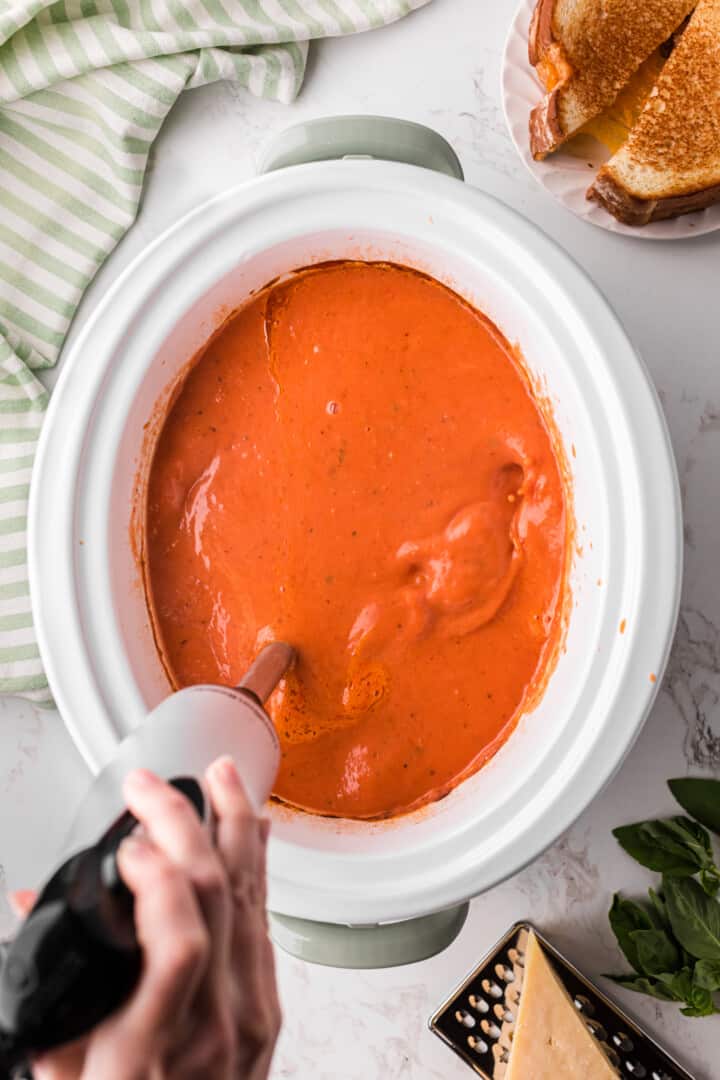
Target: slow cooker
point(369, 188)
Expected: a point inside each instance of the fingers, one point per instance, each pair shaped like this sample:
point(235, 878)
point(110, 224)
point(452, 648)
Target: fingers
point(173, 935)
point(256, 946)
point(261, 867)
point(173, 825)
point(64, 1063)
point(22, 900)
point(241, 839)
point(237, 823)
point(227, 790)
point(176, 948)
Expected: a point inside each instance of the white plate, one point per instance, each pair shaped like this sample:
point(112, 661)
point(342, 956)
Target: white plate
point(565, 176)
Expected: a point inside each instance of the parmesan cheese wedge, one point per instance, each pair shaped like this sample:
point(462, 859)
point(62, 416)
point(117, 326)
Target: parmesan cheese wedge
point(550, 1040)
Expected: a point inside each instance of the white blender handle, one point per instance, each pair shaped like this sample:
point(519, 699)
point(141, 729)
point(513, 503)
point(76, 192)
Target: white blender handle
point(186, 733)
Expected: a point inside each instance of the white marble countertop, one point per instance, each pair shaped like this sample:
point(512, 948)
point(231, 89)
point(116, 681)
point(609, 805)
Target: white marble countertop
point(441, 66)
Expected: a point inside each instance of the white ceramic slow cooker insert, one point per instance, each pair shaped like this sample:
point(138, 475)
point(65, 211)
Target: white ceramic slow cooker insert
point(88, 599)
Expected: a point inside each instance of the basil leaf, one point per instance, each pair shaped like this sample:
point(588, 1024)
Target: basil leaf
point(700, 1003)
point(626, 917)
point(692, 835)
point(707, 974)
point(642, 985)
point(692, 1011)
point(659, 915)
point(675, 846)
point(710, 881)
point(671, 987)
point(682, 986)
point(701, 799)
point(680, 983)
point(659, 910)
point(655, 951)
point(697, 840)
point(694, 917)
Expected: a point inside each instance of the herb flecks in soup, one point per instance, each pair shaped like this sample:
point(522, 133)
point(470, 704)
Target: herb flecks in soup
point(356, 464)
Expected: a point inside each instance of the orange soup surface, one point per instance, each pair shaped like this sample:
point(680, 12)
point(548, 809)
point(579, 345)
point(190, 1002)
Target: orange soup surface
point(356, 464)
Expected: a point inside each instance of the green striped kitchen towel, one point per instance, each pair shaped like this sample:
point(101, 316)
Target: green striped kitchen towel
point(84, 88)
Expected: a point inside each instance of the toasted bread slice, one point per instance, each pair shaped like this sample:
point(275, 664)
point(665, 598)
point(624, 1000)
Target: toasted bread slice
point(670, 163)
point(585, 51)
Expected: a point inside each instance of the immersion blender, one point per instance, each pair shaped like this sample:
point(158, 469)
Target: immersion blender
point(76, 958)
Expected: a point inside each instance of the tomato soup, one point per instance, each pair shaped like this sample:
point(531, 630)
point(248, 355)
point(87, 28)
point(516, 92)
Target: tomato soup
point(356, 464)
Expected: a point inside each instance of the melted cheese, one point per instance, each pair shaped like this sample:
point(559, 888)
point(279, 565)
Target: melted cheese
point(553, 68)
point(550, 1040)
point(613, 125)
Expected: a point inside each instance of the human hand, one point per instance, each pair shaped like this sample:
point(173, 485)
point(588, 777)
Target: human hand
point(206, 1004)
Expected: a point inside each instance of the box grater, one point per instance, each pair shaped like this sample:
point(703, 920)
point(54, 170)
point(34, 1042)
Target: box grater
point(476, 1021)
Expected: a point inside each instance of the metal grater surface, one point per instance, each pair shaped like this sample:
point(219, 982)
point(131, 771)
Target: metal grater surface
point(476, 1022)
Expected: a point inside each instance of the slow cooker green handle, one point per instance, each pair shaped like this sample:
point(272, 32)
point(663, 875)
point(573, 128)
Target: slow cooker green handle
point(382, 137)
point(383, 946)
